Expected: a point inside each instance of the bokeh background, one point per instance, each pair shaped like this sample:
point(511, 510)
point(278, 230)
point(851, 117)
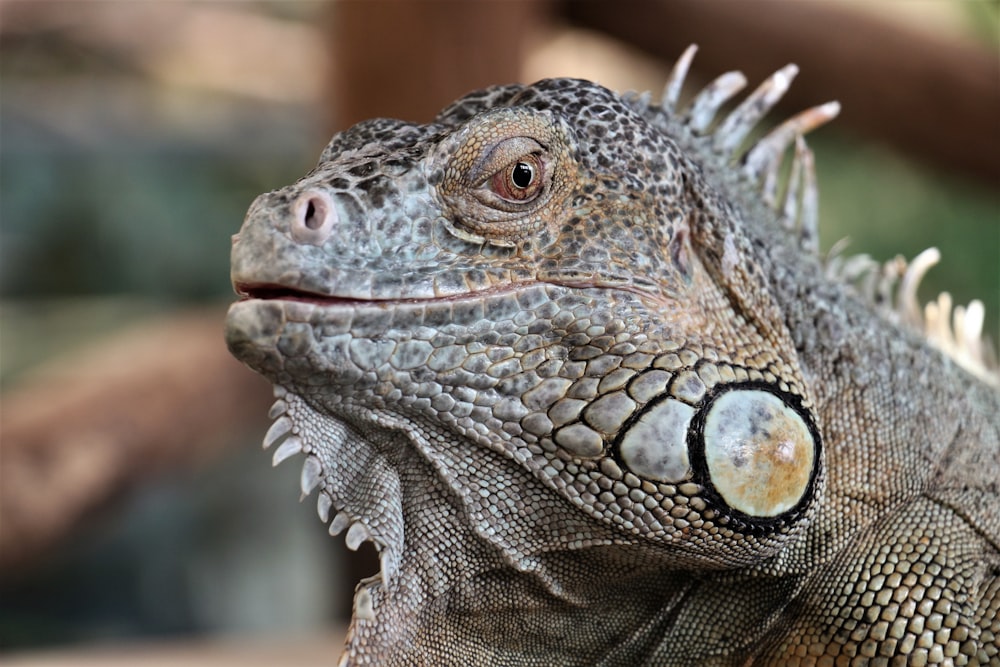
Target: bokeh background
point(139, 522)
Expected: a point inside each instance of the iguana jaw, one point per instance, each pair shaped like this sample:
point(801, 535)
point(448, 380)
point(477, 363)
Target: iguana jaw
point(361, 462)
point(362, 468)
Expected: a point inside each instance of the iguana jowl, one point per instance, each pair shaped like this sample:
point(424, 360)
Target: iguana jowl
point(572, 362)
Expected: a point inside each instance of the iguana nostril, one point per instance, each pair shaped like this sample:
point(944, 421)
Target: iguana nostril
point(313, 217)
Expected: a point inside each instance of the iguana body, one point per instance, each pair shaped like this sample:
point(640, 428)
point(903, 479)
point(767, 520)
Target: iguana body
point(597, 401)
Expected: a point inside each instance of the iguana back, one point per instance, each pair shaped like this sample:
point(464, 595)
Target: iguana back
point(572, 362)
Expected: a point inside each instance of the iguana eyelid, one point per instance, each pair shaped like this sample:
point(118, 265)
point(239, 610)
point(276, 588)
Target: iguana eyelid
point(502, 155)
point(487, 196)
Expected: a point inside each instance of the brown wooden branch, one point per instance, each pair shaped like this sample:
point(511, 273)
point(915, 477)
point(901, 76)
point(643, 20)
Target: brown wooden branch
point(405, 59)
point(930, 97)
point(161, 396)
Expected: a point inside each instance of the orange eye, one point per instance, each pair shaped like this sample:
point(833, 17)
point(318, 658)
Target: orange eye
point(520, 181)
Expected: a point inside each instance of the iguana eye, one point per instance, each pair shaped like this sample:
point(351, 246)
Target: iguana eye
point(498, 176)
point(520, 181)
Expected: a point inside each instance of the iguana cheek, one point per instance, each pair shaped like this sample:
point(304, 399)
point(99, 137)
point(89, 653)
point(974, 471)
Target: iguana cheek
point(759, 452)
point(755, 450)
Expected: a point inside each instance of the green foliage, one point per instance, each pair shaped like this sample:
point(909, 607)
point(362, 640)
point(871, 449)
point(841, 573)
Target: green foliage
point(887, 206)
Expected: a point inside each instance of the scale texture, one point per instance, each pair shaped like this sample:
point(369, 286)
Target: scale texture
point(572, 362)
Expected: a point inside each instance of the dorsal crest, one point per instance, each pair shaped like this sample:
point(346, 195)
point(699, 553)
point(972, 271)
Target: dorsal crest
point(890, 287)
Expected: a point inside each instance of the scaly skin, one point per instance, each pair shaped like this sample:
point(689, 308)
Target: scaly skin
point(597, 402)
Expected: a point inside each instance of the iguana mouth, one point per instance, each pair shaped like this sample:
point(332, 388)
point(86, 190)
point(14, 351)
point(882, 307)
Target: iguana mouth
point(278, 292)
point(271, 292)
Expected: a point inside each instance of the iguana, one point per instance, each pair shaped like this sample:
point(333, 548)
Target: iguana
point(573, 363)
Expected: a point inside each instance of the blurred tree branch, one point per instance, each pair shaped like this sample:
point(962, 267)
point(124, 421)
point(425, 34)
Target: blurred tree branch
point(931, 97)
point(405, 59)
point(84, 428)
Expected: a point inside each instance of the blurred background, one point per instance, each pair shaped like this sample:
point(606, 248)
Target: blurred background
point(139, 522)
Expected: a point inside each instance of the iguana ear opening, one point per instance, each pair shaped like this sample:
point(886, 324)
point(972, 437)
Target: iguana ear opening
point(679, 249)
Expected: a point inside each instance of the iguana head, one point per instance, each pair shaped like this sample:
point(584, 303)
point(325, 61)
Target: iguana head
point(538, 327)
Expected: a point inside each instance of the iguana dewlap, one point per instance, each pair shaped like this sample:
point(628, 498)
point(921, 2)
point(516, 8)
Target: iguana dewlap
point(571, 361)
